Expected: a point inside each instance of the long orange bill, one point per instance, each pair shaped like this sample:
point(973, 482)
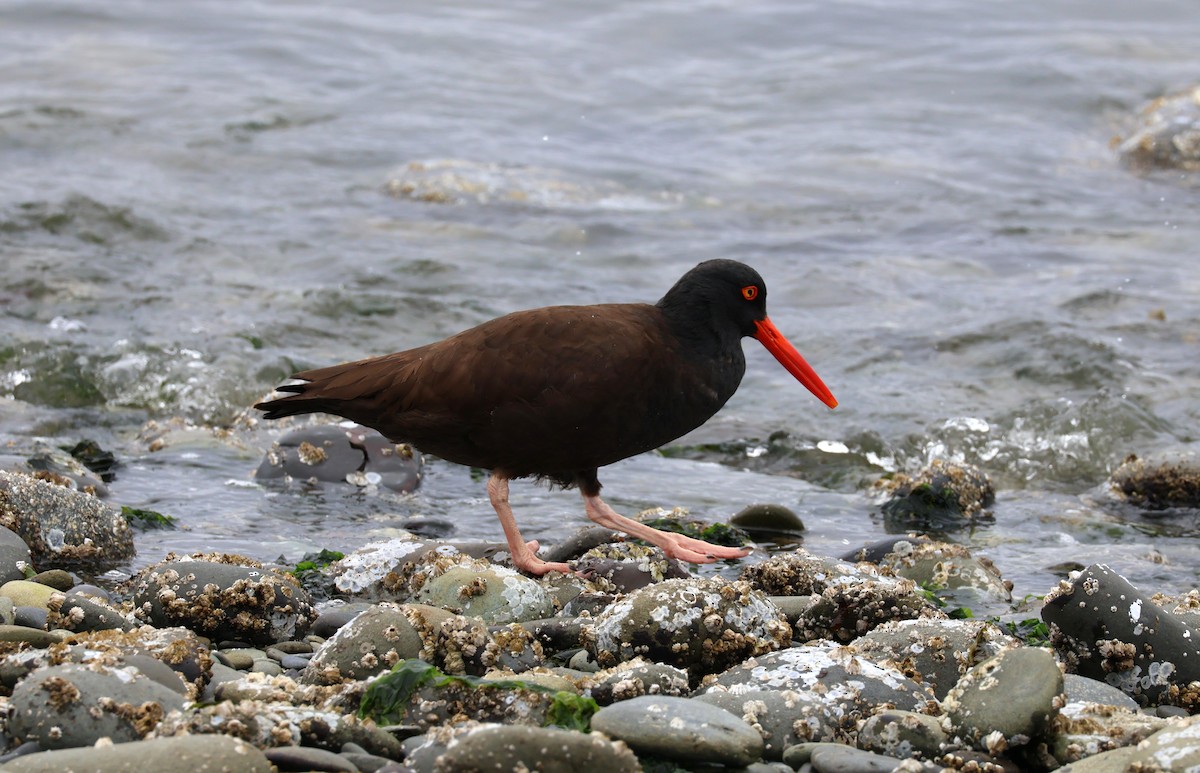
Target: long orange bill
point(769, 336)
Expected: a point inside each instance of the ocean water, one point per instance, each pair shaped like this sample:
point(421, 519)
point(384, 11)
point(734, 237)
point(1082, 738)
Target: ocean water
point(198, 198)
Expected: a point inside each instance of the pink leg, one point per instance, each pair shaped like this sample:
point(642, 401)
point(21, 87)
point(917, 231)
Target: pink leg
point(674, 545)
point(523, 553)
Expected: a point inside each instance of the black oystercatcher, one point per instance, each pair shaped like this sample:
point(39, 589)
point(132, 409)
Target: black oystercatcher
point(561, 391)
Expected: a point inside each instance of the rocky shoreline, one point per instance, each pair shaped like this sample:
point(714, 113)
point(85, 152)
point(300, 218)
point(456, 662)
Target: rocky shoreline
point(426, 655)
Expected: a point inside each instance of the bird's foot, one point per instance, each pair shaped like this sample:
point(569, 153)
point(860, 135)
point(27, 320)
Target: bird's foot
point(694, 551)
point(527, 561)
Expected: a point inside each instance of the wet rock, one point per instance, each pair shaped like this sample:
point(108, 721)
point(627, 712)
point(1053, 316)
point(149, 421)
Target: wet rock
point(57, 466)
point(702, 625)
point(223, 597)
point(494, 594)
point(638, 677)
point(1085, 729)
point(836, 758)
point(551, 750)
point(76, 705)
point(306, 758)
point(373, 572)
point(936, 653)
point(622, 567)
point(64, 528)
point(332, 618)
point(902, 735)
point(342, 453)
point(376, 640)
point(1167, 135)
point(1082, 689)
point(1008, 700)
point(782, 717)
point(184, 753)
point(78, 611)
point(25, 593)
point(1165, 481)
point(1175, 747)
point(846, 687)
point(768, 520)
point(944, 495)
point(36, 637)
point(268, 723)
point(58, 579)
point(1105, 628)
point(944, 566)
point(579, 542)
point(681, 730)
point(14, 556)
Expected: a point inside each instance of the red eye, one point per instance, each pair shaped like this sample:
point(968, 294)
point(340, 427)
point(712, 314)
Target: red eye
point(750, 292)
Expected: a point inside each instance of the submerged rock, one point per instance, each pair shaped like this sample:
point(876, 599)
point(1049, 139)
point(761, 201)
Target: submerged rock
point(1158, 483)
point(1167, 135)
point(943, 495)
point(342, 453)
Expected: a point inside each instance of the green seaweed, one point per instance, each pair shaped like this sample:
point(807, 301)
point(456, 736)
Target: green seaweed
point(386, 699)
point(149, 519)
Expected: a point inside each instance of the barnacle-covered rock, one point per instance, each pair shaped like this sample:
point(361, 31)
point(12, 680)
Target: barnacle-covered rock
point(494, 594)
point(63, 527)
point(1160, 482)
point(223, 597)
point(1008, 700)
point(700, 624)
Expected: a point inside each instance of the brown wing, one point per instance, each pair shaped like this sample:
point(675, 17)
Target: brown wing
point(552, 390)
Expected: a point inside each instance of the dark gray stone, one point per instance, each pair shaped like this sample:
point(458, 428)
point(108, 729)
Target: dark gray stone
point(680, 729)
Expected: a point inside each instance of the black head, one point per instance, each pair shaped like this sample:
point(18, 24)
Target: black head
point(722, 295)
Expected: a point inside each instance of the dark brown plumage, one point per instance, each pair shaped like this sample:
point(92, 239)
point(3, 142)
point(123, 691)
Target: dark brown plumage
point(561, 391)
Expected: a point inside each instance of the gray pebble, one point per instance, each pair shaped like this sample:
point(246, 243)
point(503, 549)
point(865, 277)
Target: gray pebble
point(305, 758)
point(76, 705)
point(295, 662)
point(546, 749)
point(1012, 695)
point(680, 729)
point(188, 752)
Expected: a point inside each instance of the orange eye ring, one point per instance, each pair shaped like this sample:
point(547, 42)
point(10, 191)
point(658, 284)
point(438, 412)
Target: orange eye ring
point(750, 292)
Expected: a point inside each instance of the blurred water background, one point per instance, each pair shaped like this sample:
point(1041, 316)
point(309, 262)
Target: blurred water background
point(197, 198)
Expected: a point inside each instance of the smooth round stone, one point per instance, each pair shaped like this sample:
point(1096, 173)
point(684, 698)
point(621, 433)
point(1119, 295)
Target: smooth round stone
point(1175, 747)
point(550, 750)
point(941, 651)
point(187, 752)
point(496, 595)
point(332, 618)
point(768, 519)
point(223, 600)
point(33, 636)
point(266, 666)
point(76, 705)
point(26, 593)
point(8, 611)
point(292, 648)
point(1012, 694)
point(242, 658)
point(782, 717)
point(902, 734)
point(680, 729)
point(14, 555)
point(31, 617)
point(699, 624)
point(59, 579)
point(306, 758)
point(1085, 690)
point(836, 758)
point(295, 662)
